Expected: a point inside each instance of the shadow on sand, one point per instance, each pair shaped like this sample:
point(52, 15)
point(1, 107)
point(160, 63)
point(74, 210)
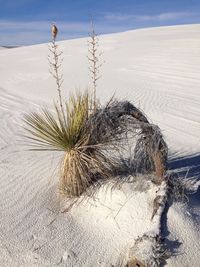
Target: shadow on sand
point(186, 167)
point(189, 165)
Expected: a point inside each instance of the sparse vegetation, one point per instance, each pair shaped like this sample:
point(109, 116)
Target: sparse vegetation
point(71, 128)
point(87, 135)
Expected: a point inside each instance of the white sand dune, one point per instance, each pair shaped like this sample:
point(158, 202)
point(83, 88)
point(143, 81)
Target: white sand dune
point(158, 70)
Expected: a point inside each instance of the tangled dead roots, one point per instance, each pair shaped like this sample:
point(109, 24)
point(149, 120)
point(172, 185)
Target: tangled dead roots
point(91, 160)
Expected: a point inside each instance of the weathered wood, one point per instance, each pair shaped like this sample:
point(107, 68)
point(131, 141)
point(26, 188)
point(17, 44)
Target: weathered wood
point(135, 263)
point(148, 250)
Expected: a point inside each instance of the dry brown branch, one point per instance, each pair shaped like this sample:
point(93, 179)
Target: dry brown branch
point(159, 167)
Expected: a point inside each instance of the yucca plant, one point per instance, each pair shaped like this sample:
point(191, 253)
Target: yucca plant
point(48, 129)
point(86, 133)
point(69, 128)
point(87, 138)
point(84, 161)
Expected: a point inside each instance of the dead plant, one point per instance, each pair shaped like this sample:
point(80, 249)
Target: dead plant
point(95, 62)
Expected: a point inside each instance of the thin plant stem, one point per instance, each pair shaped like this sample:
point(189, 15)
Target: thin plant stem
point(94, 63)
point(55, 62)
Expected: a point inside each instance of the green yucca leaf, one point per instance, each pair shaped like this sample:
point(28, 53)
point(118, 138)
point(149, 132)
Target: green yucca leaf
point(50, 130)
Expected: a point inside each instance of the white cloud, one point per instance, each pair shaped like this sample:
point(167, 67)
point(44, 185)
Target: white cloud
point(40, 25)
point(168, 16)
point(32, 32)
point(118, 17)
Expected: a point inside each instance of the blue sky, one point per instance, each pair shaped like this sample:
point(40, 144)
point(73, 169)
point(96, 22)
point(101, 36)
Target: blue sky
point(25, 22)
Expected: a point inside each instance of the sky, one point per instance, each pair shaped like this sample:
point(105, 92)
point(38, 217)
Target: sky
point(26, 22)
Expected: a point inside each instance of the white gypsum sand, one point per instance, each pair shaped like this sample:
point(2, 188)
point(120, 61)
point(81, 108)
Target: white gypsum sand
point(158, 70)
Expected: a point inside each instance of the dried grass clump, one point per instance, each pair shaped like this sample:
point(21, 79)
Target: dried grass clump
point(151, 151)
point(118, 119)
point(91, 138)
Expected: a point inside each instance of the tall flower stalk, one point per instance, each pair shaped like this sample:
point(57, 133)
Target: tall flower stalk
point(55, 62)
point(94, 62)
